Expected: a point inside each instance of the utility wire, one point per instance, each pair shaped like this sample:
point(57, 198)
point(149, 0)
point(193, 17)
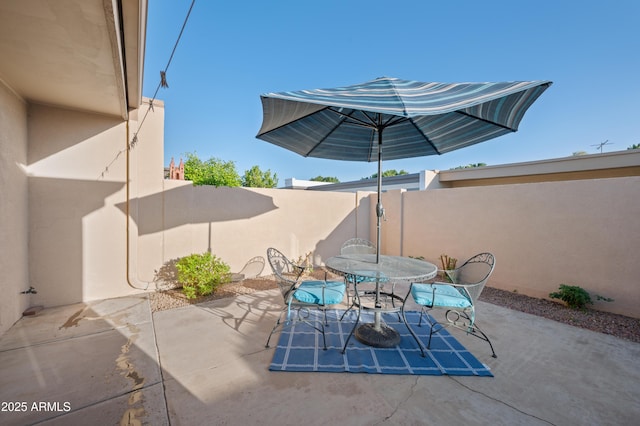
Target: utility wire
point(163, 84)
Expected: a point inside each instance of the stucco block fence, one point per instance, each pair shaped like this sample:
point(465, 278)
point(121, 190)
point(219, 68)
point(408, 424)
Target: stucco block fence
point(583, 233)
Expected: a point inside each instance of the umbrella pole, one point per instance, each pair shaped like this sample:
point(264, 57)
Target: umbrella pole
point(379, 214)
point(376, 334)
point(379, 208)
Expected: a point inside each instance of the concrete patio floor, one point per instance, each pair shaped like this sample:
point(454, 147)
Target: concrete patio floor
point(114, 362)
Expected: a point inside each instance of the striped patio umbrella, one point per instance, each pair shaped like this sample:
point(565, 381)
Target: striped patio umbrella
point(389, 118)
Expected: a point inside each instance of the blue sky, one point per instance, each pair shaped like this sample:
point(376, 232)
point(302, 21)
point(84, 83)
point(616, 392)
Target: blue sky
point(233, 51)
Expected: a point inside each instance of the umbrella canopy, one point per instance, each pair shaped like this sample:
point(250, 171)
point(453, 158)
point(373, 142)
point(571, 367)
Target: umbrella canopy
point(389, 118)
point(418, 119)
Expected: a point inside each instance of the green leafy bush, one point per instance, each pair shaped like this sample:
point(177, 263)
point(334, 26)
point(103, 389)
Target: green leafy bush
point(576, 297)
point(201, 274)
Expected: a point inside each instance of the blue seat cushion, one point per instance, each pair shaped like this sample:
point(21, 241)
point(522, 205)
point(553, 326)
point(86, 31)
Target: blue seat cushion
point(445, 295)
point(311, 292)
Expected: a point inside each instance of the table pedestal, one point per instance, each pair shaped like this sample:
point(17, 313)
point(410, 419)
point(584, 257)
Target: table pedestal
point(382, 337)
point(378, 269)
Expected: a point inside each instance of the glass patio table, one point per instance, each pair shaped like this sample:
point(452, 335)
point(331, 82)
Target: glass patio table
point(361, 268)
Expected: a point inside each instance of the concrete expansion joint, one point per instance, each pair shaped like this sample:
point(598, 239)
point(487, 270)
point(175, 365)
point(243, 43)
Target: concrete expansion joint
point(59, 339)
point(500, 401)
point(158, 361)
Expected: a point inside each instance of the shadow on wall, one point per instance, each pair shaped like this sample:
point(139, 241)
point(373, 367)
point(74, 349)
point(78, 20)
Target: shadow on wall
point(52, 131)
point(177, 204)
point(59, 244)
point(354, 225)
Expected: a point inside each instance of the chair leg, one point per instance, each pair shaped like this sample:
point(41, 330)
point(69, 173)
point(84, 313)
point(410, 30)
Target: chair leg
point(472, 329)
point(275, 327)
point(476, 332)
point(415, 337)
point(432, 331)
point(344, 349)
point(322, 326)
point(421, 313)
point(353, 303)
point(324, 336)
point(355, 299)
point(291, 322)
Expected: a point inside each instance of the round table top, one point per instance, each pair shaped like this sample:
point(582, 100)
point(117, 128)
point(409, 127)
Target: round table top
point(389, 267)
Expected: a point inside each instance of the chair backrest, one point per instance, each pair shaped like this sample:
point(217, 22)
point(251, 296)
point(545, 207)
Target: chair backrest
point(286, 272)
point(474, 273)
point(358, 246)
point(253, 267)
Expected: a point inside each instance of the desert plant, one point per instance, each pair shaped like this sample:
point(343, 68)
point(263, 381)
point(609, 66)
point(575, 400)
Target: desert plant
point(201, 274)
point(448, 263)
point(574, 296)
point(306, 263)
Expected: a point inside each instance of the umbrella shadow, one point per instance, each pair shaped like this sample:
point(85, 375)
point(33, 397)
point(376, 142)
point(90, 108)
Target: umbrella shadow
point(190, 204)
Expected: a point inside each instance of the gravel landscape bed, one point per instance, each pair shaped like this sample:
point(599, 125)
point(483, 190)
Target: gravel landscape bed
point(602, 322)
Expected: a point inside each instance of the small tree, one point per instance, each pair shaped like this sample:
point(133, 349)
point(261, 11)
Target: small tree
point(470, 166)
point(634, 146)
point(330, 179)
point(256, 178)
point(214, 171)
point(388, 173)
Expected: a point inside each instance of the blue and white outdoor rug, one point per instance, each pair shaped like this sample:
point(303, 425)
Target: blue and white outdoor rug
point(300, 349)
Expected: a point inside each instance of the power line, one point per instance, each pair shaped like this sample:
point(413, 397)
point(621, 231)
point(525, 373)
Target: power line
point(163, 83)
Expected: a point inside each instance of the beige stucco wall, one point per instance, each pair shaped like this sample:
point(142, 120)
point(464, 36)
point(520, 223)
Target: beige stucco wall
point(86, 242)
point(77, 177)
point(68, 230)
point(170, 219)
point(583, 233)
point(13, 208)
point(237, 224)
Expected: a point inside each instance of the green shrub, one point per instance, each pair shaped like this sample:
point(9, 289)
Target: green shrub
point(201, 274)
point(574, 296)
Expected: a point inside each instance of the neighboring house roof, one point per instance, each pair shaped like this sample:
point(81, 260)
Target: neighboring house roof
point(79, 54)
point(409, 182)
point(594, 166)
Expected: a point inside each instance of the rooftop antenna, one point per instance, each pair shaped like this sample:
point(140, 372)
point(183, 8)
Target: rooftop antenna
point(602, 144)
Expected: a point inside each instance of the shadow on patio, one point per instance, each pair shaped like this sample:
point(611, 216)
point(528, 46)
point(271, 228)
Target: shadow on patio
point(113, 361)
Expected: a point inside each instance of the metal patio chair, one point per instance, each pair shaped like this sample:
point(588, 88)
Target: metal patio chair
point(302, 295)
point(458, 298)
point(357, 246)
point(253, 267)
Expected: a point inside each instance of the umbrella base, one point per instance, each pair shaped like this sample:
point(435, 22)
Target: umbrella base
point(384, 337)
